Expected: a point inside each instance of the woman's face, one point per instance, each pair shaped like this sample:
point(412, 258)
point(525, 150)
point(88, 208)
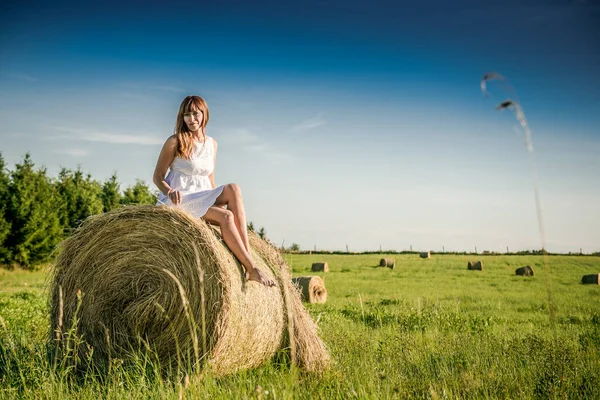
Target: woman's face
point(193, 119)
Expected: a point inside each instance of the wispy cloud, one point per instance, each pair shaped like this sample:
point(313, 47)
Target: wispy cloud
point(277, 157)
point(308, 124)
point(104, 137)
point(74, 152)
point(269, 153)
point(253, 143)
point(24, 77)
point(257, 147)
point(145, 92)
point(240, 136)
point(20, 135)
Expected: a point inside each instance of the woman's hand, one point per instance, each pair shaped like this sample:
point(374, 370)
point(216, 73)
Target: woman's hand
point(258, 276)
point(174, 196)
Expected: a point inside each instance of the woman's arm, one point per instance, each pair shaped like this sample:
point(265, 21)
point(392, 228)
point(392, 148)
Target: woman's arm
point(212, 175)
point(165, 158)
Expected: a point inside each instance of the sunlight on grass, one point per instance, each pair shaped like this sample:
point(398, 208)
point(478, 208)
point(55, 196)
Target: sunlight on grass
point(427, 329)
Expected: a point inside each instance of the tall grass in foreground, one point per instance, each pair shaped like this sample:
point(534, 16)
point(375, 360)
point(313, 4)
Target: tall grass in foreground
point(427, 329)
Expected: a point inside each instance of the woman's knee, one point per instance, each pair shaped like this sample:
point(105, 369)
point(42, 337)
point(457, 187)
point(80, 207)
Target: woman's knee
point(235, 190)
point(227, 218)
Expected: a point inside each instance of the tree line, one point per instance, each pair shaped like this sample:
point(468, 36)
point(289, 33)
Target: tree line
point(38, 211)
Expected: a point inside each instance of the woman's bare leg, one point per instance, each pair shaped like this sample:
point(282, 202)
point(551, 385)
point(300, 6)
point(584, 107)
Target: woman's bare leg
point(225, 220)
point(232, 197)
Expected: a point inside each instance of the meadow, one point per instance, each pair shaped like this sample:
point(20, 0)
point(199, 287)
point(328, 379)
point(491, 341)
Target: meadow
point(428, 329)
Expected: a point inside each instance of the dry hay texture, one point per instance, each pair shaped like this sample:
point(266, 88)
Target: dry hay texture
point(312, 288)
point(387, 262)
point(524, 271)
point(475, 266)
point(320, 267)
point(593, 279)
point(426, 254)
point(155, 278)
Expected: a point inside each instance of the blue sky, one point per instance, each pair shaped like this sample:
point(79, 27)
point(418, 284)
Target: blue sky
point(345, 123)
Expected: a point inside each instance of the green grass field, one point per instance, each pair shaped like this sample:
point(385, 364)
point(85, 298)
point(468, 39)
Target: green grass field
point(426, 329)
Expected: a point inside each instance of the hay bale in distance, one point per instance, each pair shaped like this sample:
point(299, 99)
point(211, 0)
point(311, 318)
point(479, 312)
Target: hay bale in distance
point(591, 279)
point(524, 271)
point(387, 262)
point(154, 277)
point(312, 288)
point(425, 254)
point(320, 267)
point(475, 266)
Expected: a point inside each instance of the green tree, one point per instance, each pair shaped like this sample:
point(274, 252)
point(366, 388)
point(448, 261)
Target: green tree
point(262, 233)
point(4, 223)
point(138, 194)
point(33, 206)
point(111, 193)
point(294, 247)
point(251, 226)
point(81, 197)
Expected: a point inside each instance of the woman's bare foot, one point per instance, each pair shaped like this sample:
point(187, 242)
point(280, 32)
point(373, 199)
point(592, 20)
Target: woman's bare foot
point(258, 276)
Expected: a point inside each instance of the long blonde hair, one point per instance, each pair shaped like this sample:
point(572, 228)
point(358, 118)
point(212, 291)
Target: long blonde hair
point(185, 141)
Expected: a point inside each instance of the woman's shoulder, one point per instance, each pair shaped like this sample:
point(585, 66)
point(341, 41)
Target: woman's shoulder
point(171, 140)
point(211, 139)
point(170, 144)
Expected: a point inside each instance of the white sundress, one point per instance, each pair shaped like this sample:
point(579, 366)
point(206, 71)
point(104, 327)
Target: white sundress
point(191, 179)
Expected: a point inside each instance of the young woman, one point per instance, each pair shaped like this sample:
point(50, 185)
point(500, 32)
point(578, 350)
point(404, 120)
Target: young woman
point(190, 157)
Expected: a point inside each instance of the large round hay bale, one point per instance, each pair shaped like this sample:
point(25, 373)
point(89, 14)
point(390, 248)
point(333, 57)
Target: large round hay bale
point(475, 266)
point(154, 278)
point(524, 271)
point(312, 288)
point(387, 262)
point(320, 267)
point(306, 348)
point(425, 254)
point(592, 279)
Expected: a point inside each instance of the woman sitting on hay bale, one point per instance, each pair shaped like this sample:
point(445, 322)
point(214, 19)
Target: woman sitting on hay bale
point(190, 155)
